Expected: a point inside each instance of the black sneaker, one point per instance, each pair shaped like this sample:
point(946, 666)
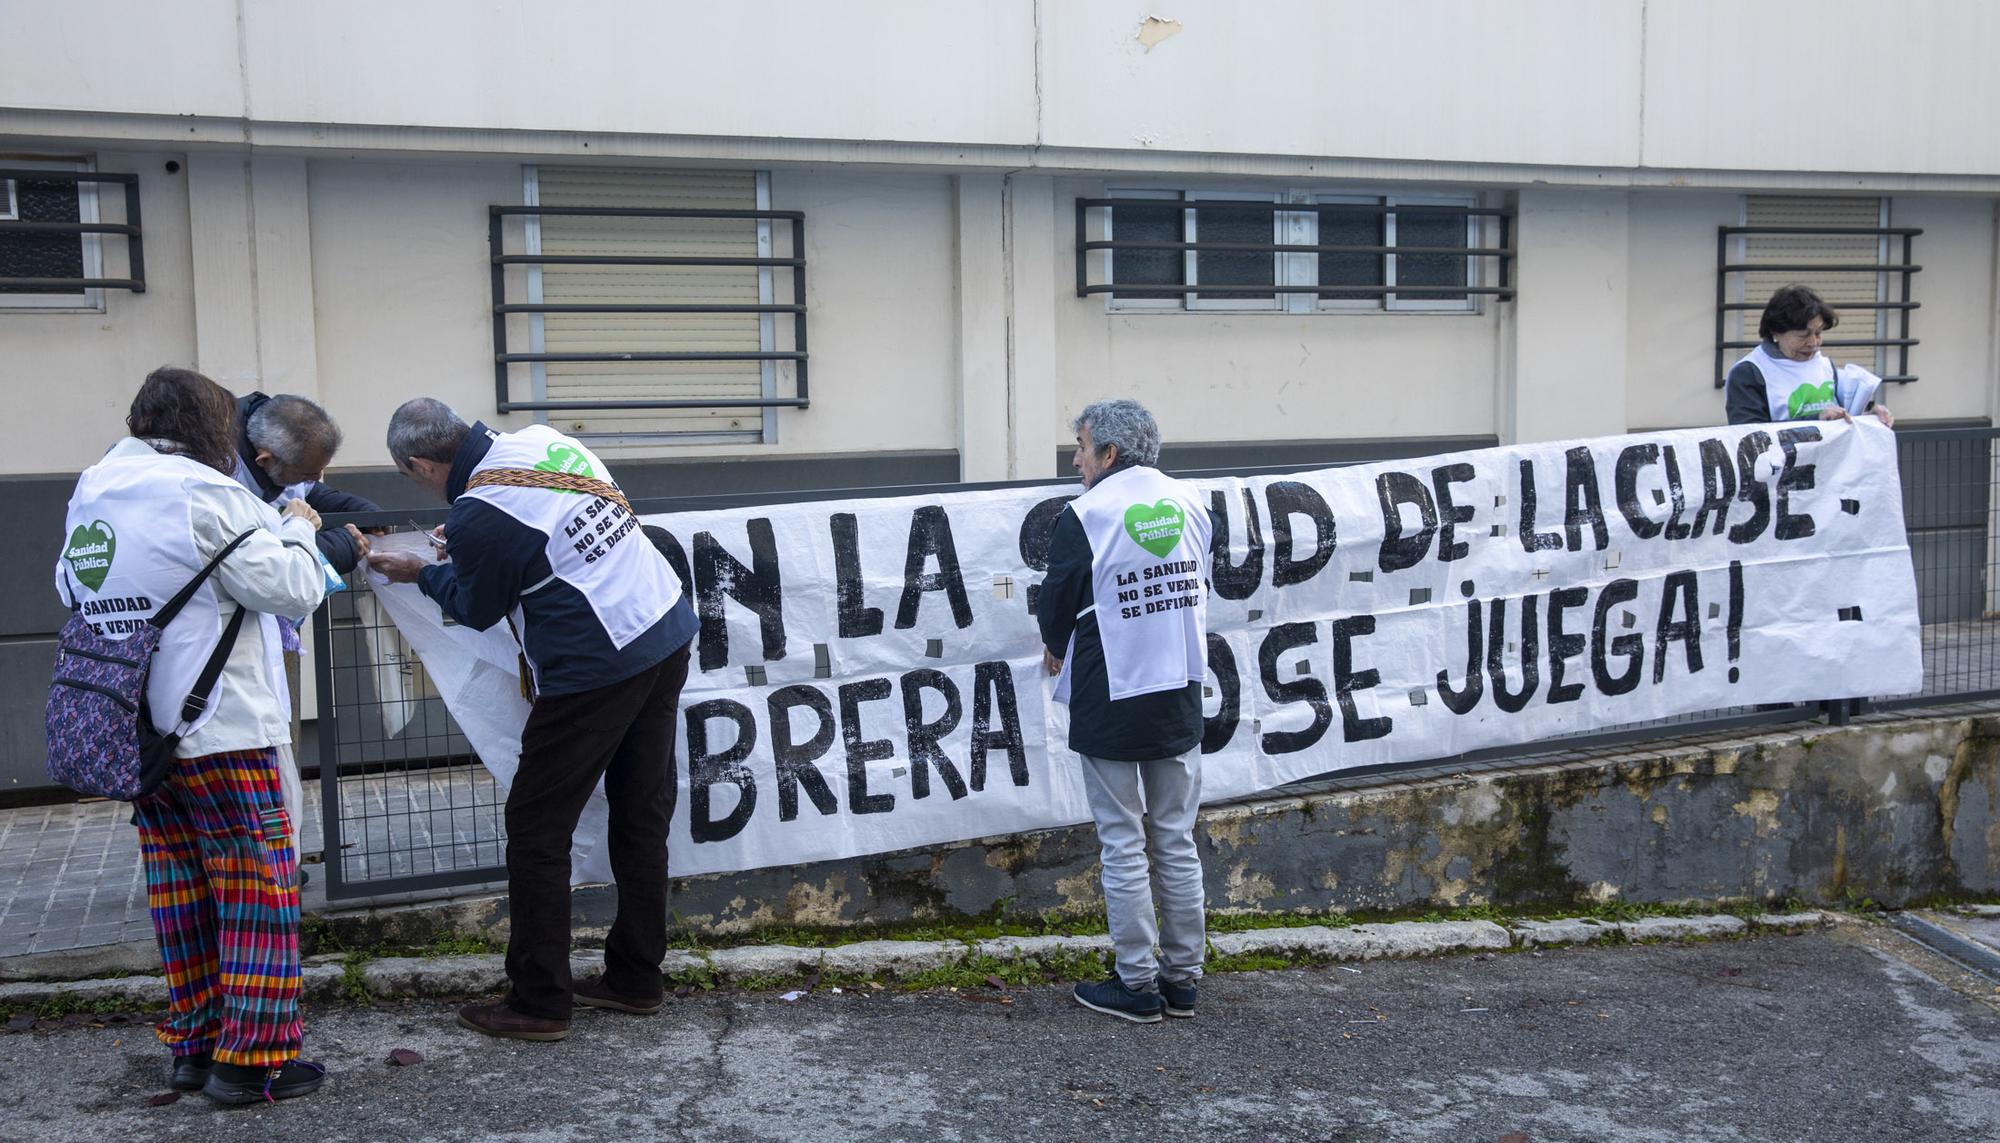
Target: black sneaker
point(236, 1084)
point(1179, 996)
point(1112, 998)
point(190, 1072)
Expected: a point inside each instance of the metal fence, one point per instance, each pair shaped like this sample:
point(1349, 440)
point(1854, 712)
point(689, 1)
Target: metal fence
point(407, 806)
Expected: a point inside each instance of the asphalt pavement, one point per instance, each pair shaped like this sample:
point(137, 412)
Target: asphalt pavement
point(1846, 1034)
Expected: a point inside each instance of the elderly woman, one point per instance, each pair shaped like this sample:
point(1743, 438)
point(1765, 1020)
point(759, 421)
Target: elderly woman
point(221, 869)
point(1787, 378)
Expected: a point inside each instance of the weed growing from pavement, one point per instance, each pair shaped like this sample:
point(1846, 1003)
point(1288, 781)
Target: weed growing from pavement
point(62, 1004)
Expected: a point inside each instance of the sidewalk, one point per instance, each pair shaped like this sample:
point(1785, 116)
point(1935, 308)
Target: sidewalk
point(70, 876)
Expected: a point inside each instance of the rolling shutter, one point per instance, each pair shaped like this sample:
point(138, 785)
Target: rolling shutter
point(1829, 249)
point(652, 333)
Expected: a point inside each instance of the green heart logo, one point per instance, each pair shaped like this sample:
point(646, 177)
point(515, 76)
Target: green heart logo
point(1808, 400)
point(1155, 527)
point(90, 550)
point(567, 460)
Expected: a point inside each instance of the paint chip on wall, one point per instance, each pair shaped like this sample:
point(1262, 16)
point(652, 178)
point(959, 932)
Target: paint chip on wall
point(1155, 29)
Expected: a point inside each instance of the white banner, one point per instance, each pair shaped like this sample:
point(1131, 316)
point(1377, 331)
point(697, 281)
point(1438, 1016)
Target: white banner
point(868, 673)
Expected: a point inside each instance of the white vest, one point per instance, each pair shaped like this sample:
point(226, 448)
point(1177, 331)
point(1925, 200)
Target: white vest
point(128, 547)
point(594, 545)
point(1149, 568)
point(1796, 390)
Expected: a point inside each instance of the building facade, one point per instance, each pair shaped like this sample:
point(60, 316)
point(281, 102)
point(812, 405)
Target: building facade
point(796, 245)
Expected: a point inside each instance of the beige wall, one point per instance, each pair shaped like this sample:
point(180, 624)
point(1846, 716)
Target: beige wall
point(69, 377)
point(1669, 339)
point(401, 288)
point(401, 284)
point(1212, 376)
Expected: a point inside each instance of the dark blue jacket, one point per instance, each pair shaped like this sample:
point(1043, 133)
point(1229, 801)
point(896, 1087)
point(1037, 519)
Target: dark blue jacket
point(494, 557)
point(334, 543)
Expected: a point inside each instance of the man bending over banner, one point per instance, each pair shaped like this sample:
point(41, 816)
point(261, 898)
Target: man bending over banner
point(541, 537)
point(1124, 615)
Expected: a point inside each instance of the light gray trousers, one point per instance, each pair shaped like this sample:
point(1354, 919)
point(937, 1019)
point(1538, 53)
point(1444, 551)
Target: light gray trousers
point(1142, 809)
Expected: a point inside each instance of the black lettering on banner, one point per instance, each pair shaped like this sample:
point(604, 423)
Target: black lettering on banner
point(669, 546)
point(1395, 489)
point(993, 692)
point(1218, 729)
point(797, 761)
point(1718, 485)
point(1450, 514)
point(1285, 499)
point(1531, 540)
point(757, 587)
point(924, 736)
point(1309, 690)
point(1677, 529)
point(1232, 580)
point(857, 620)
point(1462, 701)
point(1751, 489)
point(708, 768)
point(1513, 702)
point(930, 537)
point(1347, 680)
point(1795, 477)
point(1583, 505)
point(1632, 646)
point(1734, 627)
point(1564, 646)
point(1680, 592)
point(1038, 529)
point(1626, 479)
point(861, 751)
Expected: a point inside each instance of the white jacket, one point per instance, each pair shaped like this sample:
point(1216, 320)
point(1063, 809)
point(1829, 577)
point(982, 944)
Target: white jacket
point(274, 573)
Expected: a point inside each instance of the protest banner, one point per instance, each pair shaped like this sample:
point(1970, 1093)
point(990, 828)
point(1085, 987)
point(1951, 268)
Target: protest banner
point(868, 673)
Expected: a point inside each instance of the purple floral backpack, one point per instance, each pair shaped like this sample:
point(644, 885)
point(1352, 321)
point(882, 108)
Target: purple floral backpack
point(101, 736)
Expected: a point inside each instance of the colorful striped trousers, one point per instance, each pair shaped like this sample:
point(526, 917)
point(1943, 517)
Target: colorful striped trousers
point(222, 885)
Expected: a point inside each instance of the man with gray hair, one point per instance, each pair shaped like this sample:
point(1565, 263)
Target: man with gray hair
point(1123, 615)
point(539, 536)
point(283, 446)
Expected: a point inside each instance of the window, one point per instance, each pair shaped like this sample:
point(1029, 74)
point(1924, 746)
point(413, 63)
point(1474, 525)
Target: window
point(1842, 247)
point(652, 303)
point(35, 254)
point(1216, 250)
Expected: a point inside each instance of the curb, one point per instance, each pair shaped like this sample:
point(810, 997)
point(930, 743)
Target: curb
point(329, 978)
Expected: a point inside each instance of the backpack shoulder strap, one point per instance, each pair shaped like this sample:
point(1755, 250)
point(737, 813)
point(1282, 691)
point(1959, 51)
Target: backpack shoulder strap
point(166, 614)
point(211, 672)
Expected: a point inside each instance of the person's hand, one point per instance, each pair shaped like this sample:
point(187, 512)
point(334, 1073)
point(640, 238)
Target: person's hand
point(1050, 661)
point(1883, 414)
point(437, 543)
point(397, 567)
point(303, 511)
point(1834, 414)
point(361, 545)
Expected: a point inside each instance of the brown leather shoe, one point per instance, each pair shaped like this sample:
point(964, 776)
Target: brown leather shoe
point(494, 1018)
point(593, 994)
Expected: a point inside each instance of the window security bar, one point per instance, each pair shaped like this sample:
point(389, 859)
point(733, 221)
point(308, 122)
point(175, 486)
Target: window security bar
point(1502, 255)
point(502, 358)
point(1901, 307)
point(134, 241)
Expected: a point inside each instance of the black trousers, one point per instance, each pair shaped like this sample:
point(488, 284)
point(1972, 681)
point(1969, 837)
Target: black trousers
point(623, 733)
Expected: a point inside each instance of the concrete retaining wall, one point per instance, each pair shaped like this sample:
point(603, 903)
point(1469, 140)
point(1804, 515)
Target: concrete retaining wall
point(1888, 812)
